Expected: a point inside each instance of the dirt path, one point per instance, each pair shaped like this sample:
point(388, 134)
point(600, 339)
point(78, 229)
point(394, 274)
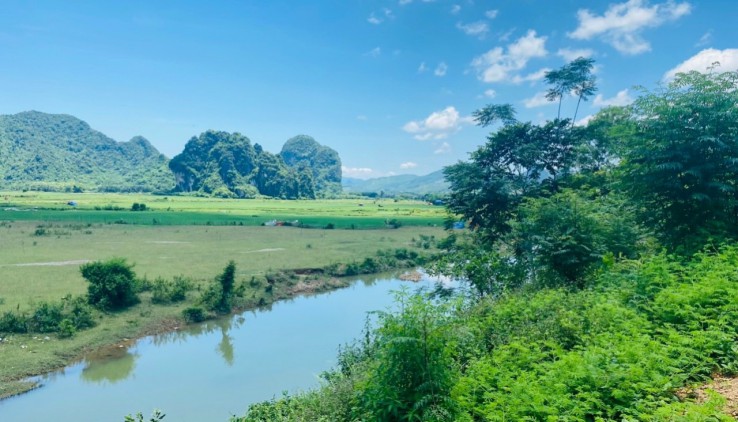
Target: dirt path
point(49, 264)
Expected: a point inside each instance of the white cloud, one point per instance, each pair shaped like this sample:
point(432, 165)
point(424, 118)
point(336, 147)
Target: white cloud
point(622, 23)
point(538, 100)
point(573, 54)
point(705, 39)
point(491, 14)
point(408, 165)
point(441, 69)
point(374, 20)
point(474, 29)
point(499, 65)
point(422, 68)
point(490, 93)
point(622, 98)
point(357, 172)
point(584, 121)
point(444, 148)
point(701, 61)
point(438, 125)
point(455, 9)
point(374, 52)
point(531, 77)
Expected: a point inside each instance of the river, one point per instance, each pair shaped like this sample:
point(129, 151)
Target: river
point(211, 371)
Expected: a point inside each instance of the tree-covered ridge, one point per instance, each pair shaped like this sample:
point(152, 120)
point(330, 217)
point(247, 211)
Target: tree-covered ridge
point(58, 152)
point(303, 151)
point(228, 165)
point(432, 183)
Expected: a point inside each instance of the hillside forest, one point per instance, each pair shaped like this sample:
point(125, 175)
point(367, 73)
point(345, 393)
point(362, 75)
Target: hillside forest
point(599, 281)
point(50, 152)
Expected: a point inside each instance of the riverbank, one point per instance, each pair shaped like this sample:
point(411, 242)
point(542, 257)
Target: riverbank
point(30, 355)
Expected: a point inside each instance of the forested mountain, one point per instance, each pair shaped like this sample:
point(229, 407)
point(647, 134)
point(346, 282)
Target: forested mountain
point(404, 183)
point(58, 151)
point(303, 151)
point(228, 165)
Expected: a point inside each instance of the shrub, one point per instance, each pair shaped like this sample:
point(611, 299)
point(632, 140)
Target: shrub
point(194, 314)
point(112, 284)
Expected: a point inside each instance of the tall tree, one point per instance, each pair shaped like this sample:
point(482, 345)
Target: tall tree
point(681, 162)
point(573, 77)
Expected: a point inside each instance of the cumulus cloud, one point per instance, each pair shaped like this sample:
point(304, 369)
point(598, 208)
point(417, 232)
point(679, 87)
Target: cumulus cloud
point(622, 24)
point(474, 29)
point(408, 165)
point(622, 98)
point(703, 60)
point(531, 77)
point(372, 19)
point(441, 69)
point(422, 68)
point(573, 54)
point(357, 172)
point(500, 64)
point(490, 93)
point(455, 9)
point(584, 121)
point(444, 148)
point(438, 125)
point(538, 100)
point(491, 14)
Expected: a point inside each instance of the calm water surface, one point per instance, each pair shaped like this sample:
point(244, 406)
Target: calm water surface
point(212, 371)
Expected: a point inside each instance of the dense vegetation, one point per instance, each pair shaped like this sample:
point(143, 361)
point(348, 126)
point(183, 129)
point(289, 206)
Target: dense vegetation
point(303, 153)
point(59, 152)
point(600, 275)
point(228, 165)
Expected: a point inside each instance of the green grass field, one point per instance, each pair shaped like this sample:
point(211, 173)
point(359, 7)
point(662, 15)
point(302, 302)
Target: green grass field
point(188, 210)
point(43, 241)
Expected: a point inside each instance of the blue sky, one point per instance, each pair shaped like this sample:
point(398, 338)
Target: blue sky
point(389, 84)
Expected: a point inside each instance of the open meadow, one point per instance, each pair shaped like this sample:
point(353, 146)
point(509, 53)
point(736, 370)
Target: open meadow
point(44, 241)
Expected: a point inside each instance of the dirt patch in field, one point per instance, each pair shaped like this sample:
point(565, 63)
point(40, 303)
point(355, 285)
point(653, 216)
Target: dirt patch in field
point(726, 387)
point(49, 264)
point(266, 250)
point(168, 242)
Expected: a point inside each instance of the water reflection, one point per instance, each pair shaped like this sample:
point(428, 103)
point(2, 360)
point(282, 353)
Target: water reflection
point(116, 365)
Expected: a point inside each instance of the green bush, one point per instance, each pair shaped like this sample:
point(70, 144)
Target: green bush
point(112, 284)
point(194, 314)
point(164, 292)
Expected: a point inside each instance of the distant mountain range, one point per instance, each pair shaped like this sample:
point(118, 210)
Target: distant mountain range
point(58, 152)
point(404, 183)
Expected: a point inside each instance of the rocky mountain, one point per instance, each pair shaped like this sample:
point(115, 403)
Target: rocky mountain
point(303, 151)
point(228, 165)
point(60, 152)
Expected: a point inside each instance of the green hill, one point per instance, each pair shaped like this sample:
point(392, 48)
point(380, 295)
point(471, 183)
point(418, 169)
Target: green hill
point(303, 151)
point(404, 183)
point(228, 165)
point(57, 152)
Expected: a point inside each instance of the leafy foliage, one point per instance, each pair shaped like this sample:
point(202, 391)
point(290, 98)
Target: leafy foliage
point(112, 284)
point(681, 163)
